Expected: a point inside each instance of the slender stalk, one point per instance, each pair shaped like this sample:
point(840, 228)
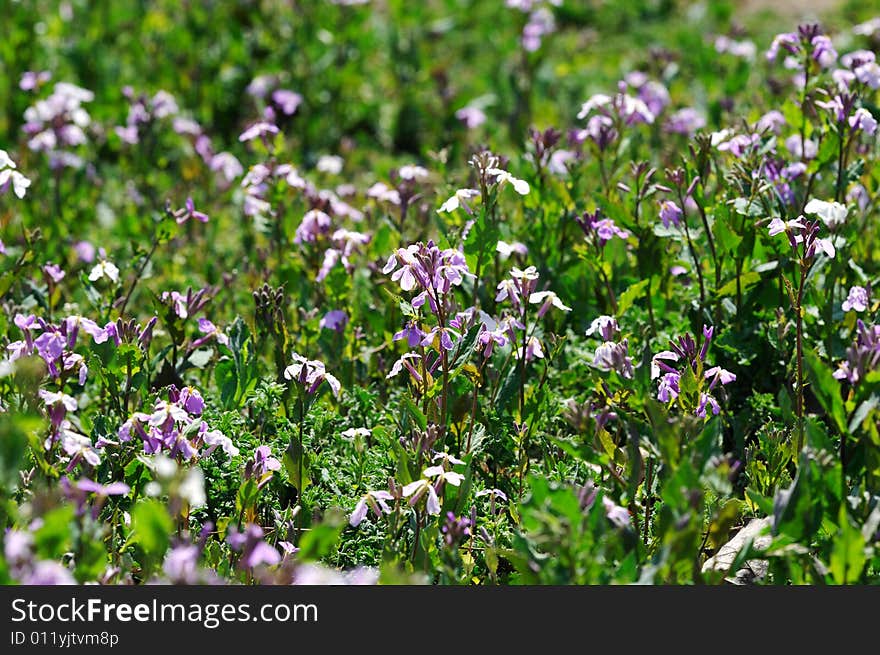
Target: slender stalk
point(799, 323)
point(139, 273)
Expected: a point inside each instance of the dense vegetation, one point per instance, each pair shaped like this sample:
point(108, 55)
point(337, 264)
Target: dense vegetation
point(453, 291)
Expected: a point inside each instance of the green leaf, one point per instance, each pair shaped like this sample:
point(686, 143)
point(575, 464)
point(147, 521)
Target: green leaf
point(481, 241)
point(628, 297)
point(321, 539)
point(826, 390)
point(151, 527)
point(54, 536)
point(848, 553)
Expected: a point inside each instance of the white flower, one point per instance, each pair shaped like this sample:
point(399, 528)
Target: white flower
point(55, 398)
point(438, 472)
point(520, 186)
point(104, 268)
point(412, 172)
point(331, 164)
point(545, 299)
point(351, 433)
point(598, 100)
point(446, 457)
point(19, 182)
point(459, 199)
point(831, 213)
point(192, 488)
point(507, 249)
point(6, 160)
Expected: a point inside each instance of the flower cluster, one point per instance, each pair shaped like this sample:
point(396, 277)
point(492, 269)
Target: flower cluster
point(175, 428)
point(687, 352)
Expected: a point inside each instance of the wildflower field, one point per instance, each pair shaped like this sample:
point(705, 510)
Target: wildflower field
point(448, 292)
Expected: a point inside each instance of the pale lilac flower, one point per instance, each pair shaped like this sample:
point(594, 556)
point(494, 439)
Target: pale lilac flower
point(604, 326)
point(778, 226)
point(857, 300)
point(214, 439)
point(618, 515)
point(334, 320)
point(374, 500)
point(54, 272)
point(310, 374)
point(287, 101)
point(314, 223)
point(788, 41)
point(685, 121)
point(31, 80)
point(505, 250)
point(49, 573)
point(412, 172)
point(383, 193)
point(258, 130)
point(189, 211)
point(863, 120)
point(809, 150)
point(420, 488)
point(868, 28)
point(210, 331)
point(471, 116)
point(10, 177)
point(773, 121)
point(869, 73)
point(77, 446)
point(611, 356)
point(744, 49)
point(227, 164)
point(85, 251)
point(739, 144)
point(533, 350)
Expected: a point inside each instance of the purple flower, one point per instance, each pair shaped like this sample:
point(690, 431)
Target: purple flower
point(54, 273)
point(335, 319)
point(411, 332)
point(455, 530)
point(227, 164)
point(181, 564)
point(670, 214)
point(287, 101)
point(862, 356)
point(48, 573)
point(112, 489)
point(189, 211)
point(857, 300)
point(685, 121)
point(210, 331)
point(85, 251)
point(314, 223)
